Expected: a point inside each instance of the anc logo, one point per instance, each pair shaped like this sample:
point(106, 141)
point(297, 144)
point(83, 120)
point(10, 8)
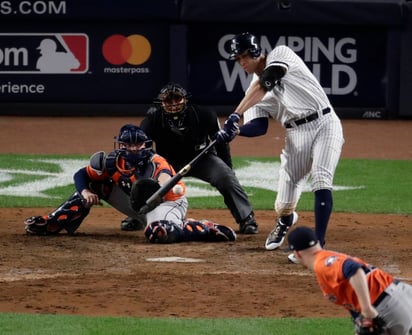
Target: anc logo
point(134, 49)
point(44, 53)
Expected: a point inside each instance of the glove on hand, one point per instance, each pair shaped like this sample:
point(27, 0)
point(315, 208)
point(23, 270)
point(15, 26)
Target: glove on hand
point(364, 326)
point(230, 129)
point(141, 191)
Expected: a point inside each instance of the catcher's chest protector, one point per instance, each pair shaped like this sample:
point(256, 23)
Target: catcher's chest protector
point(116, 167)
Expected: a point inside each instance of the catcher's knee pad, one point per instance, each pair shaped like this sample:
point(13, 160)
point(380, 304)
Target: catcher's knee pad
point(207, 231)
point(163, 231)
point(67, 216)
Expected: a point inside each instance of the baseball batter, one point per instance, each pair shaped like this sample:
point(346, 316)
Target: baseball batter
point(285, 89)
point(110, 177)
point(378, 303)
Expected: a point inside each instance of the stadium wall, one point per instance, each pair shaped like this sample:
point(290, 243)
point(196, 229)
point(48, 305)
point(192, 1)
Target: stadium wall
point(111, 57)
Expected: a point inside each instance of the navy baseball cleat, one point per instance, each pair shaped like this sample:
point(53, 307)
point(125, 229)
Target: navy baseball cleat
point(131, 224)
point(219, 233)
point(277, 235)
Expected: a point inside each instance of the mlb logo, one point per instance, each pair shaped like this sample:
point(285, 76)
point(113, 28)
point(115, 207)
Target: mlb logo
point(48, 53)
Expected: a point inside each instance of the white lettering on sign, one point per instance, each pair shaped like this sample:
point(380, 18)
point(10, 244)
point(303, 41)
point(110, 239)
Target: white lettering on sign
point(338, 54)
point(30, 7)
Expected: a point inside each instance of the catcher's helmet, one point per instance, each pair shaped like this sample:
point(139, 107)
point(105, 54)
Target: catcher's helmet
point(129, 135)
point(244, 42)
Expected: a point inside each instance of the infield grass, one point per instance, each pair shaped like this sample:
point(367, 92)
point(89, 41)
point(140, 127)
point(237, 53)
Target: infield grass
point(363, 186)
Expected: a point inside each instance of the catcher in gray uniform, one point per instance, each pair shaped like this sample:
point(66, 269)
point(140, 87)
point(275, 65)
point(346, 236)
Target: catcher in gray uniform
point(285, 89)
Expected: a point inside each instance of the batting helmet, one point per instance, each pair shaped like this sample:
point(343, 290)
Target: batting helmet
point(244, 42)
point(129, 135)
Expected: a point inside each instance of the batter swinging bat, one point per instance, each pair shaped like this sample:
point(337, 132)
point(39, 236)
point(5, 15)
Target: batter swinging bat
point(156, 197)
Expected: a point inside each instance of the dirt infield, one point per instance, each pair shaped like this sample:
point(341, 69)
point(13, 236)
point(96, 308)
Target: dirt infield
point(104, 271)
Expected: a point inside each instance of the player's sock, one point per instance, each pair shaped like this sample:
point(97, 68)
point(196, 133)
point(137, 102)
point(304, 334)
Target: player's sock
point(323, 209)
point(287, 219)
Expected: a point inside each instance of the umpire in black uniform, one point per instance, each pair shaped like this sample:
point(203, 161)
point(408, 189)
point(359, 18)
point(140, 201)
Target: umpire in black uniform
point(180, 132)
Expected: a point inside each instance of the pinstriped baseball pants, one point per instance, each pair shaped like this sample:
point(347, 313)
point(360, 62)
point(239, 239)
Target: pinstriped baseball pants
point(312, 150)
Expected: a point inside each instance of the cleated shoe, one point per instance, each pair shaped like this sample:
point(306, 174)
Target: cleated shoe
point(131, 224)
point(219, 232)
point(277, 235)
point(36, 225)
point(292, 259)
point(248, 226)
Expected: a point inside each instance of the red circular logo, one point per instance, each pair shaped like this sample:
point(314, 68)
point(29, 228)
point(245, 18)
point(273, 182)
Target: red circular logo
point(134, 49)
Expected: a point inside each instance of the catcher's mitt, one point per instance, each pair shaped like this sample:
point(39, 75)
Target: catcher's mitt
point(141, 191)
point(364, 326)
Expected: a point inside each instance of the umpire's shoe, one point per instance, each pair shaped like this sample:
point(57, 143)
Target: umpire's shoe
point(132, 224)
point(248, 225)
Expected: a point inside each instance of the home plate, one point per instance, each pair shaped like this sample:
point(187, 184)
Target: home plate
point(175, 259)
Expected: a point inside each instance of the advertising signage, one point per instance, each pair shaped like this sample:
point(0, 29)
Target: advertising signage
point(124, 64)
point(88, 9)
point(350, 65)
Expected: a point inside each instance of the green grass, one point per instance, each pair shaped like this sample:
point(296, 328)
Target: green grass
point(379, 186)
point(23, 324)
point(386, 187)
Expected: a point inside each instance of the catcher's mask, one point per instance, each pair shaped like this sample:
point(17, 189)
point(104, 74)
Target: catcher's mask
point(242, 43)
point(133, 144)
point(173, 99)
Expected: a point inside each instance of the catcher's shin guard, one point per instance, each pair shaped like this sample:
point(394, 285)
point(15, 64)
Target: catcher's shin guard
point(207, 231)
point(163, 231)
point(68, 216)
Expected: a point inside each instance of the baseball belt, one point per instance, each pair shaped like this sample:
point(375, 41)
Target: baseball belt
point(308, 118)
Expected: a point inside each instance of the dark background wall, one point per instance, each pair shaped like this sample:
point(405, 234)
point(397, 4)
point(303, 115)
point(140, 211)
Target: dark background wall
point(359, 50)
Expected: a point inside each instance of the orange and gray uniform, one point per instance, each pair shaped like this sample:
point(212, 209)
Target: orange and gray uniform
point(391, 297)
point(112, 170)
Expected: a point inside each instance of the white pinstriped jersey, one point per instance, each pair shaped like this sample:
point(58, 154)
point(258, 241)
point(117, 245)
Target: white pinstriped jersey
point(312, 148)
point(297, 95)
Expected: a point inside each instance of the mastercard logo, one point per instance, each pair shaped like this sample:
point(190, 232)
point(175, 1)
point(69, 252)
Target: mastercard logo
point(134, 49)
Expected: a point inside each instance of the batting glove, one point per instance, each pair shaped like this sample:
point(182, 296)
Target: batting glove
point(230, 129)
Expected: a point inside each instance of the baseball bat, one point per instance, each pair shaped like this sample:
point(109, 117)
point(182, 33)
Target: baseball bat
point(157, 196)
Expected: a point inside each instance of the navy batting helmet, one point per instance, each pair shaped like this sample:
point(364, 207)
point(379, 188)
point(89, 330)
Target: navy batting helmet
point(244, 42)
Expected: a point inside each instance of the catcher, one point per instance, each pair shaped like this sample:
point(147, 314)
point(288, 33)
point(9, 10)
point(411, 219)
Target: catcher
point(125, 178)
point(378, 303)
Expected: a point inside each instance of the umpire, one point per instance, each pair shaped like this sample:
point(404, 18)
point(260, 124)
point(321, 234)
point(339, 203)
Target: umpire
point(180, 132)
